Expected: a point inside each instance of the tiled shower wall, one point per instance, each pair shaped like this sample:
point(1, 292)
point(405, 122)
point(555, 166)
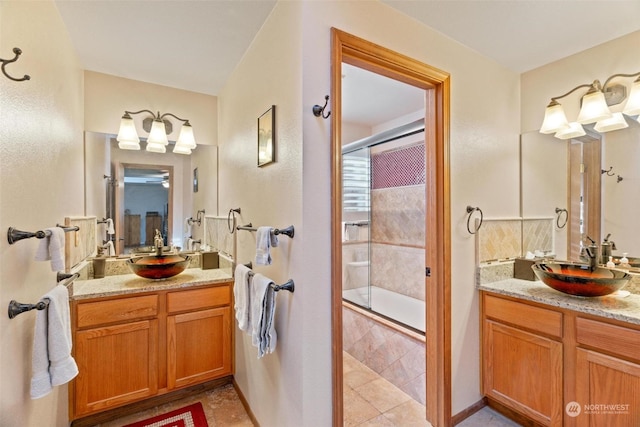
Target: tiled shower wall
point(393, 355)
point(398, 220)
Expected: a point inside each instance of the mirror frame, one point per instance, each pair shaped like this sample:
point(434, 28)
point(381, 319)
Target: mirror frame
point(436, 83)
point(119, 201)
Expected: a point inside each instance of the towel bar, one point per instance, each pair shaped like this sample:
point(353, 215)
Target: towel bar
point(16, 307)
point(289, 231)
point(289, 286)
point(13, 234)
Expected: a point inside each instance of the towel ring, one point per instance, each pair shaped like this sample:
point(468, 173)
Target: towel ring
point(470, 211)
point(231, 223)
point(559, 213)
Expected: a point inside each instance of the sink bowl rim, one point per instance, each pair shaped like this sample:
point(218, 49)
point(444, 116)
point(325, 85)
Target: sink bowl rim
point(158, 270)
point(582, 285)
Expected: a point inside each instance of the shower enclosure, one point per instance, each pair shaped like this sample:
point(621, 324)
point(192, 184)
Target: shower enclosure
point(384, 225)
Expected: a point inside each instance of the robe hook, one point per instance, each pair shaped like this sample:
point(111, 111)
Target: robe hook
point(17, 51)
point(318, 111)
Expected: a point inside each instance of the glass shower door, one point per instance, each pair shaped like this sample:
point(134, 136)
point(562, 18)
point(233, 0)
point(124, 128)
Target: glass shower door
point(356, 212)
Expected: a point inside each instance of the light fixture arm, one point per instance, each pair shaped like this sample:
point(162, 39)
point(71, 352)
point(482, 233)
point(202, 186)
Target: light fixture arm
point(185, 121)
point(555, 98)
point(606, 82)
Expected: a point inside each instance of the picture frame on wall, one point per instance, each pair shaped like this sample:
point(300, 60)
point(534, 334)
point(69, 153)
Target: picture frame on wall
point(267, 137)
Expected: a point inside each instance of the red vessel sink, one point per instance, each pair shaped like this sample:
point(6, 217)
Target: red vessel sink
point(158, 267)
point(580, 280)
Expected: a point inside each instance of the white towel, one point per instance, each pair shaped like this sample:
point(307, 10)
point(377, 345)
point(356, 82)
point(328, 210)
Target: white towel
point(52, 248)
point(263, 306)
point(265, 240)
point(109, 225)
point(52, 363)
point(241, 296)
point(187, 226)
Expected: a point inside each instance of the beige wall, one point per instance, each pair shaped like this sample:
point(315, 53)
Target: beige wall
point(41, 163)
point(484, 172)
point(484, 154)
point(270, 74)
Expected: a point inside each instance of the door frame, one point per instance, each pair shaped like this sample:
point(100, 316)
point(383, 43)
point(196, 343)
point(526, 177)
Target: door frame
point(436, 83)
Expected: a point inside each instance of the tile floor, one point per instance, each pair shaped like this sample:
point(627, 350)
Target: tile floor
point(370, 401)
point(221, 406)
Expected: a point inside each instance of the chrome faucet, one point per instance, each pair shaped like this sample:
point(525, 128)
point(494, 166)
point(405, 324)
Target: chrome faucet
point(158, 242)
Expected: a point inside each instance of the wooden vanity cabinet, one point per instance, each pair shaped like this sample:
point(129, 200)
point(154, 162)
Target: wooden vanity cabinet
point(537, 361)
point(130, 348)
point(198, 335)
point(116, 349)
point(608, 373)
point(522, 359)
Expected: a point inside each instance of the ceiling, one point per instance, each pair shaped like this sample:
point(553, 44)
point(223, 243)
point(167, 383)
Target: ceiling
point(196, 45)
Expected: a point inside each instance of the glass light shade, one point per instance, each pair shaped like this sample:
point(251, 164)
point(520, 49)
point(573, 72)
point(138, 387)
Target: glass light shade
point(186, 139)
point(615, 122)
point(156, 148)
point(574, 130)
point(632, 107)
point(594, 108)
point(181, 149)
point(127, 136)
point(554, 119)
point(157, 135)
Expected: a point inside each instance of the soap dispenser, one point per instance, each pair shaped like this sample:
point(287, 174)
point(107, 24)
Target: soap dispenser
point(610, 263)
point(624, 261)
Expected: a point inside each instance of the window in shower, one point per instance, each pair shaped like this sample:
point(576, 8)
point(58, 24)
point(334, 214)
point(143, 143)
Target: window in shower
point(356, 202)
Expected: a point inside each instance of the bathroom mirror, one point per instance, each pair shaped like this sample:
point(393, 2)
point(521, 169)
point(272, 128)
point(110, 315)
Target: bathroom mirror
point(546, 184)
point(102, 156)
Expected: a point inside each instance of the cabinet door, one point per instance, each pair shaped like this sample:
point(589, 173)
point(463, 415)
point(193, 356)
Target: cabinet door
point(117, 364)
point(523, 371)
point(607, 390)
point(198, 346)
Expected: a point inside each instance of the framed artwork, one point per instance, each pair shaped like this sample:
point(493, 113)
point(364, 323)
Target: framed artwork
point(195, 180)
point(267, 137)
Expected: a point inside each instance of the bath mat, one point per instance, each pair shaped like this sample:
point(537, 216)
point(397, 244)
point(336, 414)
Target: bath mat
point(189, 416)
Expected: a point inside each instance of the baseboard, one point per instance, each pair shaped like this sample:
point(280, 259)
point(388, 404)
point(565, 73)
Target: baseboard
point(245, 404)
point(466, 413)
point(152, 402)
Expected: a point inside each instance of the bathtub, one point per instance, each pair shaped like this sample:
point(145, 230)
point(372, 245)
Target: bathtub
point(401, 308)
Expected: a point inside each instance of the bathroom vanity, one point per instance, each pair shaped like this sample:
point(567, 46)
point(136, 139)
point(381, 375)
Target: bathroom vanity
point(136, 338)
point(560, 360)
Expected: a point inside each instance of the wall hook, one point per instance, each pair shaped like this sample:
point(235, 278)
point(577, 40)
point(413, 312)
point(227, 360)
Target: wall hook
point(619, 179)
point(17, 52)
point(318, 111)
point(609, 171)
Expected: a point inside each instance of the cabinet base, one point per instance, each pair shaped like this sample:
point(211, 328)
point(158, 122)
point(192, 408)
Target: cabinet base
point(152, 402)
point(511, 414)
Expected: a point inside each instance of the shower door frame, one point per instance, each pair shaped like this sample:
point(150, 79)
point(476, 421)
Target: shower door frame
point(436, 83)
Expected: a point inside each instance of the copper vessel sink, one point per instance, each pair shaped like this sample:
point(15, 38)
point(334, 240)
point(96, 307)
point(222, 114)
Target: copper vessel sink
point(158, 266)
point(579, 279)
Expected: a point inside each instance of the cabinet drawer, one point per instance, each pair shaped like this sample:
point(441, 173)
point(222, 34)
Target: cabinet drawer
point(534, 318)
point(610, 338)
point(116, 310)
point(199, 298)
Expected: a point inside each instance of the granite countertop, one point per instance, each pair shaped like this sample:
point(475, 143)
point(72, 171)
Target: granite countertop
point(130, 283)
point(613, 306)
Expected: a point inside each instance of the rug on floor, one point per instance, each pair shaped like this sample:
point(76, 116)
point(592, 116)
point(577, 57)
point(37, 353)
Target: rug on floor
point(189, 416)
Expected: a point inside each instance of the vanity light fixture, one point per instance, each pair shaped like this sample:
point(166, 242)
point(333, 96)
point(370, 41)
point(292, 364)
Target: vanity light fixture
point(158, 128)
point(594, 109)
